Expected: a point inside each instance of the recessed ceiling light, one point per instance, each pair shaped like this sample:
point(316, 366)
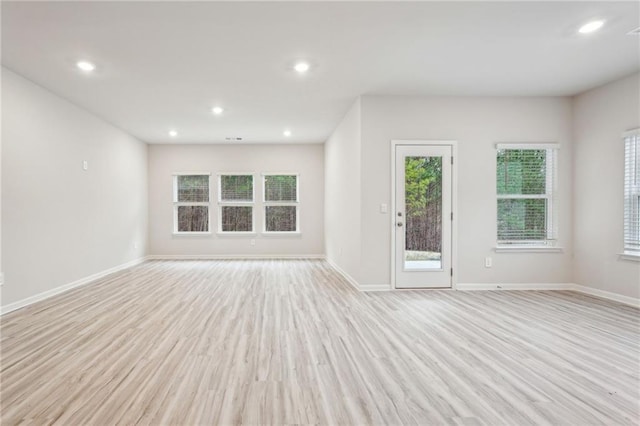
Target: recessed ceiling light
point(287, 133)
point(301, 67)
point(86, 66)
point(217, 110)
point(173, 133)
point(590, 27)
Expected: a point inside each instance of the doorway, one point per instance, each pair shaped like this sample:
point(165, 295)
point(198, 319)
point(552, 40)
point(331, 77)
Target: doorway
point(423, 215)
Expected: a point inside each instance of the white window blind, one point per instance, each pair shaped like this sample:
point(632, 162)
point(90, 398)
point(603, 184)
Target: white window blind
point(236, 188)
point(191, 203)
point(632, 192)
point(281, 210)
point(525, 191)
point(236, 199)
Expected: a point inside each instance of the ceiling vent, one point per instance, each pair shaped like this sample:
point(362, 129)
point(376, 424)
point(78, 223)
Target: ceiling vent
point(634, 32)
point(229, 138)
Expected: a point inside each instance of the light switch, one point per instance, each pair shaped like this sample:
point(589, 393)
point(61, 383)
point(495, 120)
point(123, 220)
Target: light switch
point(383, 208)
point(488, 262)
point(85, 165)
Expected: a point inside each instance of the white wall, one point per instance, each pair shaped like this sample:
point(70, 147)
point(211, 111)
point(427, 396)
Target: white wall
point(342, 194)
point(61, 223)
point(477, 124)
point(307, 160)
point(601, 116)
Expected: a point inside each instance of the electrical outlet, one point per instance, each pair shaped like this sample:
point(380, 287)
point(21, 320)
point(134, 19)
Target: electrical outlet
point(383, 208)
point(253, 242)
point(488, 262)
point(135, 245)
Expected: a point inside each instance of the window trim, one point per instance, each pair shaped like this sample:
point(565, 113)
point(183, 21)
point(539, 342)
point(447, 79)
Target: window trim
point(266, 204)
point(176, 204)
point(235, 203)
point(630, 191)
point(550, 243)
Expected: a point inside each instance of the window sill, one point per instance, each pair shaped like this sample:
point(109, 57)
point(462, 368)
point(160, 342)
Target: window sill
point(527, 249)
point(632, 257)
point(282, 234)
point(191, 234)
point(236, 234)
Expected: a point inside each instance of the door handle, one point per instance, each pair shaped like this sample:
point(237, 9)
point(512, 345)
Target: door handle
point(399, 224)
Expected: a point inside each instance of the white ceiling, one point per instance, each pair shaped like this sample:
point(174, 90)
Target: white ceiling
point(163, 65)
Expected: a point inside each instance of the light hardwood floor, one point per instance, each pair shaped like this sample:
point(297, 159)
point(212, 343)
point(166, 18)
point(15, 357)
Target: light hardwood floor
point(289, 341)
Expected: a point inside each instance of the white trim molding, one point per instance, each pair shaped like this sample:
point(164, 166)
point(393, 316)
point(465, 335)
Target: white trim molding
point(379, 287)
point(632, 301)
point(514, 286)
point(360, 287)
point(528, 249)
point(66, 287)
point(629, 256)
point(525, 145)
point(615, 297)
point(346, 276)
point(191, 234)
point(232, 256)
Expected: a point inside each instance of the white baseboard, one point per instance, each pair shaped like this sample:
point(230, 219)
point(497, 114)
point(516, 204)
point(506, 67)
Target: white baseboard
point(513, 286)
point(632, 301)
point(61, 289)
point(354, 283)
point(232, 256)
point(346, 276)
point(375, 287)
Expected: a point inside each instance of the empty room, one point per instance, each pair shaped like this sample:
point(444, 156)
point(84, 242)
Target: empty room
point(320, 213)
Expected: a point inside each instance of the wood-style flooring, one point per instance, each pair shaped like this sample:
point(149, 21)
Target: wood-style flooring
point(290, 342)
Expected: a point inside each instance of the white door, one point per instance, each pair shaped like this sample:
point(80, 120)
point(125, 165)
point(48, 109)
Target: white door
point(422, 224)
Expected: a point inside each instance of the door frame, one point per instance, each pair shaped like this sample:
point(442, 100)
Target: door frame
point(454, 204)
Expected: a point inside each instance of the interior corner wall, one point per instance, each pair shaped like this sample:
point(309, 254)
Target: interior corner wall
point(306, 160)
point(601, 115)
point(477, 124)
point(60, 223)
point(342, 154)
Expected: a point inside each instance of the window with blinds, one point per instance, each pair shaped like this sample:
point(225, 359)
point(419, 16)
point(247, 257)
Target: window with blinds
point(525, 179)
point(191, 203)
point(281, 210)
point(632, 192)
point(235, 202)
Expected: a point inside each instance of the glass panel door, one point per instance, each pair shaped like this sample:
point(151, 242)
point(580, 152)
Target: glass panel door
point(423, 210)
point(423, 216)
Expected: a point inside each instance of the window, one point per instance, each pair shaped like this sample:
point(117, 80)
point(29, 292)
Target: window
point(191, 203)
point(236, 198)
point(280, 202)
point(632, 192)
point(525, 183)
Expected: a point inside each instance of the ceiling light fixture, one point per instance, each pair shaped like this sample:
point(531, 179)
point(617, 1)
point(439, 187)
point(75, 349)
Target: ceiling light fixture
point(287, 133)
point(86, 66)
point(217, 110)
point(173, 133)
point(301, 67)
point(590, 27)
